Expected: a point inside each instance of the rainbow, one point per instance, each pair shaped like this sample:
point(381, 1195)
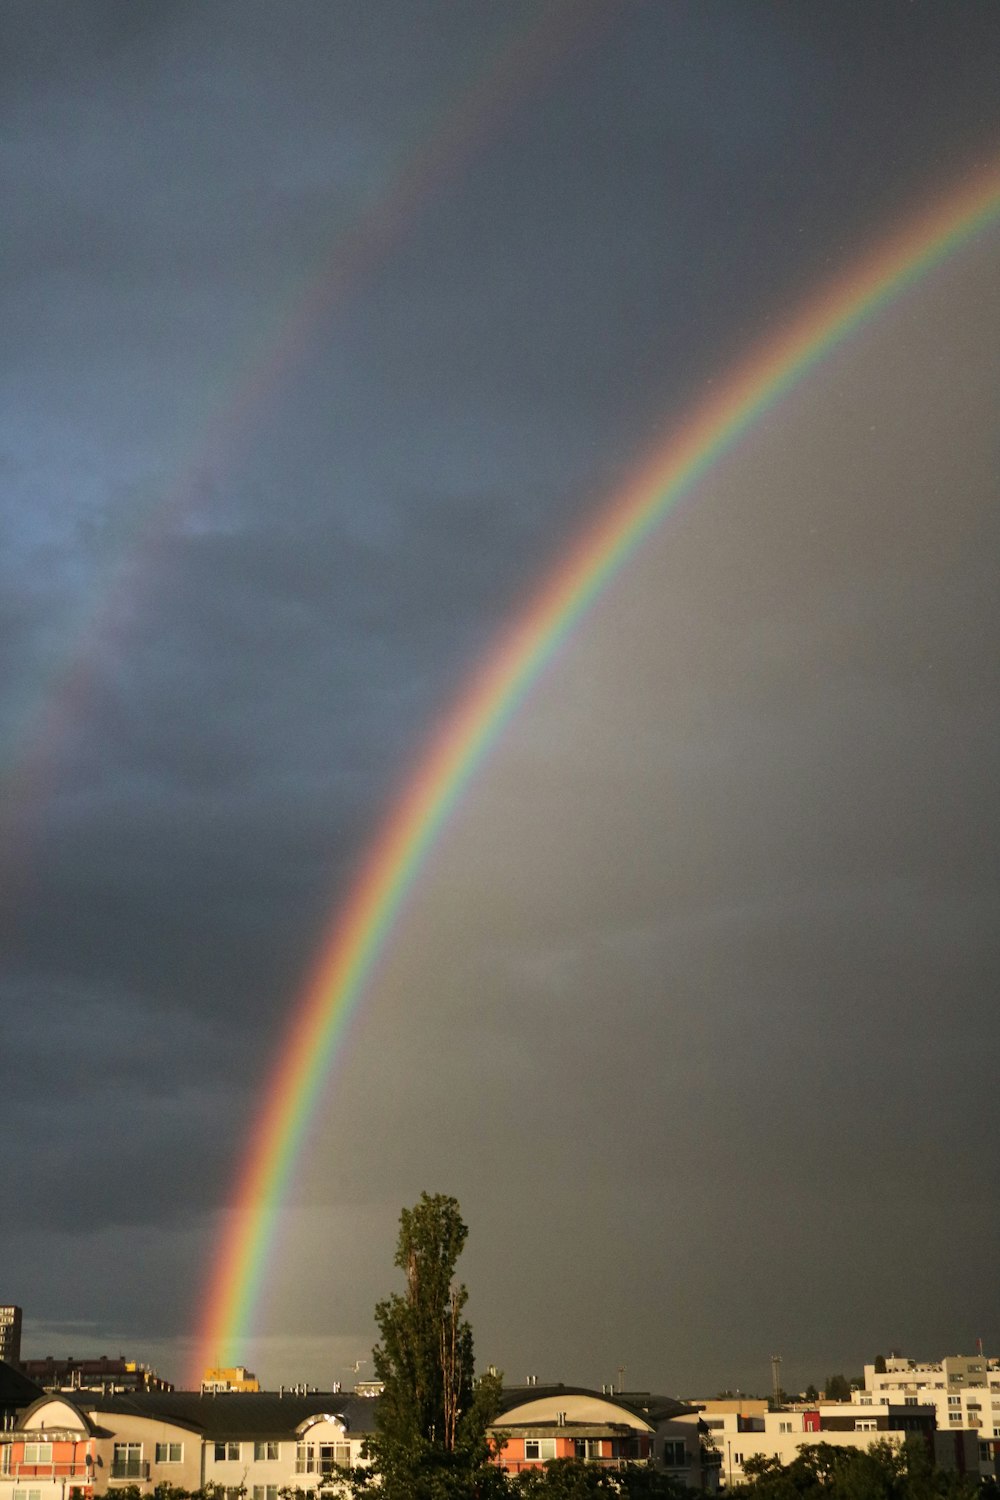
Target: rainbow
point(364, 926)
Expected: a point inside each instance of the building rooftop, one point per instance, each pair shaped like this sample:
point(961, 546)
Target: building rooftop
point(236, 1414)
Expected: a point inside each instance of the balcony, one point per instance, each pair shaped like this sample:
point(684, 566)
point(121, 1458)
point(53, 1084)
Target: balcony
point(518, 1465)
point(67, 1470)
point(129, 1468)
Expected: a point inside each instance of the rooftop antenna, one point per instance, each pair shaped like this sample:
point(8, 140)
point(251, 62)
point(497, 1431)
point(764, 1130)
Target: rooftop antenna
point(776, 1378)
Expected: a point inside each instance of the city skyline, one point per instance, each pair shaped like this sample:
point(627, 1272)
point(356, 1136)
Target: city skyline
point(333, 331)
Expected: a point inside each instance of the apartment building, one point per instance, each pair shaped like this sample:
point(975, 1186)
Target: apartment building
point(71, 1447)
point(10, 1333)
point(781, 1434)
point(964, 1390)
point(539, 1423)
point(229, 1378)
point(75, 1445)
point(101, 1374)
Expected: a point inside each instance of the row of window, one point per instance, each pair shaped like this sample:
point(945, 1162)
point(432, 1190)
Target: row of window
point(545, 1448)
point(310, 1458)
point(307, 1459)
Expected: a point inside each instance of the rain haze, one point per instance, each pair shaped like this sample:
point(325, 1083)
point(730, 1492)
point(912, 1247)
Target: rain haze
point(328, 329)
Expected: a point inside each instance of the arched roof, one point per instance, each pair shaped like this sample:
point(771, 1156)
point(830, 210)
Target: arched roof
point(542, 1403)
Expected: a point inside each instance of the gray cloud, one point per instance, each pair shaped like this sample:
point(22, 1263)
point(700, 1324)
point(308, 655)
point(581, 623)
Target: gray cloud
point(692, 1006)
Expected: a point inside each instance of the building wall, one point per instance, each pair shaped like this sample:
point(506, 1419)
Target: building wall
point(781, 1434)
point(97, 1452)
point(964, 1390)
point(10, 1333)
point(52, 1454)
point(147, 1434)
point(615, 1434)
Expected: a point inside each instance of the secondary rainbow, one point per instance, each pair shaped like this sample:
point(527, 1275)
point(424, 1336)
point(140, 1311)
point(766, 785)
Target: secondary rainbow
point(363, 926)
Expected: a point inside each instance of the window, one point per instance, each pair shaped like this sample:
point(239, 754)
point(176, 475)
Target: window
point(38, 1453)
point(332, 1454)
point(954, 1400)
point(587, 1448)
point(27, 1495)
point(127, 1462)
point(784, 1426)
point(954, 1416)
point(265, 1451)
point(305, 1461)
point(984, 1451)
point(169, 1453)
point(674, 1454)
point(265, 1492)
point(738, 1458)
point(865, 1424)
point(226, 1452)
point(541, 1448)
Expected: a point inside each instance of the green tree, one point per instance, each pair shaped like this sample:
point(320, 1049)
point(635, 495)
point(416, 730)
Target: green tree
point(838, 1388)
point(433, 1416)
point(883, 1471)
point(578, 1479)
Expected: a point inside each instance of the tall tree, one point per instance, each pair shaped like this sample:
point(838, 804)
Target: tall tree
point(432, 1416)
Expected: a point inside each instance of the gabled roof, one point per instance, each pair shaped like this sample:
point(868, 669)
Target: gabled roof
point(256, 1415)
point(16, 1390)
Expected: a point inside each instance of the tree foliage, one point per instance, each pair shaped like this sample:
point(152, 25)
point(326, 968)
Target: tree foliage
point(578, 1479)
point(433, 1415)
point(826, 1471)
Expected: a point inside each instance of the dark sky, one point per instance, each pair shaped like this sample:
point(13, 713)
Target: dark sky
point(327, 327)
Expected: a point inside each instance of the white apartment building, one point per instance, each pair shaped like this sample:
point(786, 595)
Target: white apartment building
point(780, 1434)
point(963, 1389)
